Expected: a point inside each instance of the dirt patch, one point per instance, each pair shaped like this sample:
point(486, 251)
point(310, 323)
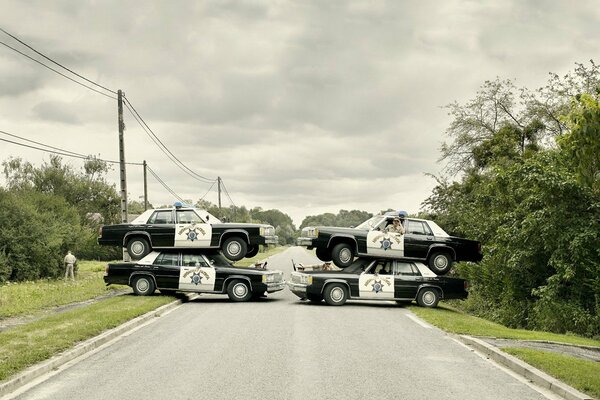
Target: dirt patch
point(11, 322)
point(583, 352)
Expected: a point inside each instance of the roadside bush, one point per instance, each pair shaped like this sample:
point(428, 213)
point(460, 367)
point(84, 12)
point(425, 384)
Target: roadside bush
point(37, 230)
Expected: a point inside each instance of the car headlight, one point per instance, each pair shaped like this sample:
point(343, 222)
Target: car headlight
point(311, 232)
point(306, 279)
point(268, 278)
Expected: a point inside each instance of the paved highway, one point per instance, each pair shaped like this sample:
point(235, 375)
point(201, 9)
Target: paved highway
point(280, 348)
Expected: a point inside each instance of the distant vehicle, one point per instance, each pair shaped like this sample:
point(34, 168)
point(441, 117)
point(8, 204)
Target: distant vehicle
point(377, 279)
point(423, 240)
point(200, 271)
point(186, 227)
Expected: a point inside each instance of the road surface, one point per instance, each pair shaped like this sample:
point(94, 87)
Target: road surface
point(280, 347)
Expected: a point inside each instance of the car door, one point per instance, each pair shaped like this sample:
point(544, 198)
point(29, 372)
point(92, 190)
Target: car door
point(191, 230)
point(196, 274)
point(406, 280)
point(166, 270)
point(377, 282)
point(417, 239)
point(380, 242)
point(161, 228)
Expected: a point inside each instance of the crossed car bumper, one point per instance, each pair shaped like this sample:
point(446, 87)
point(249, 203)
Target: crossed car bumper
point(304, 241)
point(299, 289)
point(275, 286)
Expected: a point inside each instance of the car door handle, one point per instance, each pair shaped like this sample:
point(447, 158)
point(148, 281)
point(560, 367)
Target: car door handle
point(429, 238)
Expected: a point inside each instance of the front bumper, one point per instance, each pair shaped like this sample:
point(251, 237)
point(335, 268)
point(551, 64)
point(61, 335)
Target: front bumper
point(299, 289)
point(275, 286)
point(273, 239)
point(305, 241)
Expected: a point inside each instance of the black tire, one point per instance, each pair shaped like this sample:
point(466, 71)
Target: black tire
point(428, 297)
point(315, 299)
point(239, 290)
point(335, 294)
point(323, 254)
point(143, 285)
point(252, 251)
point(138, 248)
point(234, 248)
point(342, 255)
point(440, 263)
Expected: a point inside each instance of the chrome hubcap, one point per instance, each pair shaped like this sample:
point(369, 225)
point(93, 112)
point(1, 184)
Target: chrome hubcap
point(142, 285)
point(441, 262)
point(345, 255)
point(337, 294)
point(240, 290)
point(234, 248)
point(429, 298)
point(137, 248)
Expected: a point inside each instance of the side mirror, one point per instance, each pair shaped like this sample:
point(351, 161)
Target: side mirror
point(207, 218)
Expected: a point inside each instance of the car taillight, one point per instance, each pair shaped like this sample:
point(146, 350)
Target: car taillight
point(466, 285)
point(106, 269)
point(100, 232)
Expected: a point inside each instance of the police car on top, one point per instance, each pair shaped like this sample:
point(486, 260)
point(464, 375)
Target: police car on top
point(184, 226)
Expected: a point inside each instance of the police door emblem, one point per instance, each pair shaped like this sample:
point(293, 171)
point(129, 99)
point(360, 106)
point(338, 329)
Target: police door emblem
point(197, 275)
point(192, 232)
point(386, 242)
point(377, 285)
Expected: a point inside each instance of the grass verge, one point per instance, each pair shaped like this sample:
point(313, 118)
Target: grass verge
point(271, 251)
point(583, 375)
point(29, 344)
point(451, 320)
point(34, 296)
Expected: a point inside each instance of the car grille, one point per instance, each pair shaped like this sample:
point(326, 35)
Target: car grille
point(278, 276)
point(296, 278)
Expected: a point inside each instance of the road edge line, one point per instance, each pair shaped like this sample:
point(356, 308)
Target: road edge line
point(35, 371)
point(529, 372)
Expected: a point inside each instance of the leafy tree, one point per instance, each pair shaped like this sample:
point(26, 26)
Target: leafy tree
point(343, 218)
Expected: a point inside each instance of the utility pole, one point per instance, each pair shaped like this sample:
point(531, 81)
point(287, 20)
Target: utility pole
point(145, 188)
point(219, 190)
point(122, 158)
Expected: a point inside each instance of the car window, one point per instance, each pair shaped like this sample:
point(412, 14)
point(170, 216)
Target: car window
point(405, 269)
point(418, 228)
point(167, 259)
point(161, 217)
point(194, 260)
point(188, 217)
point(381, 268)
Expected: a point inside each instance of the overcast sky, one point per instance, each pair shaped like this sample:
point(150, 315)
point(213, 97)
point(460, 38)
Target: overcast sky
point(304, 106)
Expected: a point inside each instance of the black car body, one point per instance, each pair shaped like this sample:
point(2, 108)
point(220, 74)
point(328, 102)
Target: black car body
point(201, 271)
point(378, 279)
point(186, 227)
point(423, 240)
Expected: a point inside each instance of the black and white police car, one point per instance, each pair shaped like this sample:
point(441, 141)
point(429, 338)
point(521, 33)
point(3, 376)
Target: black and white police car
point(186, 227)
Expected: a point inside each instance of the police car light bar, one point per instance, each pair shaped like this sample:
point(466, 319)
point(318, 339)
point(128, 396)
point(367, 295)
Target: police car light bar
point(178, 204)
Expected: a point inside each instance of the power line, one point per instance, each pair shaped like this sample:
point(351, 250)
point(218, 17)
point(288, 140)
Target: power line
point(56, 63)
point(57, 150)
point(162, 146)
point(211, 186)
point(164, 184)
point(58, 72)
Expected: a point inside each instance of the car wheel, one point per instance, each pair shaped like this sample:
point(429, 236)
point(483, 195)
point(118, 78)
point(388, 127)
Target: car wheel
point(252, 251)
point(342, 255)
point(323, 255)
point(336, 294)
point(440, 263)
point(315, 299)
point(235, 248)
point(137, 248)
point(428, 297)
point(239, 291)
point(143, 285)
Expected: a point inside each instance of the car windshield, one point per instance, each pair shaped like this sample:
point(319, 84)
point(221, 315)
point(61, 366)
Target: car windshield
point(370, 223)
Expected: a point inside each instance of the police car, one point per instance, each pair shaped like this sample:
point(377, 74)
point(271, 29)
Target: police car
point(186, 227)
point(200, 271)
point(377, 279)
point(423, 240)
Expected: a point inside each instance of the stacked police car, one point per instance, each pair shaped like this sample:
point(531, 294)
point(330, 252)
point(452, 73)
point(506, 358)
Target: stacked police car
point(390, 264)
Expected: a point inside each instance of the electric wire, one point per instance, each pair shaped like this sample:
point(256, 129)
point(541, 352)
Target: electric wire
point(57, 150)
point(164, 184)
point(211, 186)
point(56, 63)
point(227, 194)
point(58, 72)
point(163, 147)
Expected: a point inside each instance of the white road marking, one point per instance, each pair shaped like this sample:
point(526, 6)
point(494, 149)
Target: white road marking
point(418, 321)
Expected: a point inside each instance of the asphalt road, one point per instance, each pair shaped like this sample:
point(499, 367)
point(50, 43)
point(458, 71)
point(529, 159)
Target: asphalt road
point(280, 347)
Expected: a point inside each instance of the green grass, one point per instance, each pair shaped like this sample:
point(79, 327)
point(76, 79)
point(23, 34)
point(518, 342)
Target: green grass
point(29, 344)
point(33, 296)
point(454, 321)
point(271, 251)
point(583, 375)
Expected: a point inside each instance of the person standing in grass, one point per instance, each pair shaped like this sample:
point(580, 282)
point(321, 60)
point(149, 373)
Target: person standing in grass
point(70, 261)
